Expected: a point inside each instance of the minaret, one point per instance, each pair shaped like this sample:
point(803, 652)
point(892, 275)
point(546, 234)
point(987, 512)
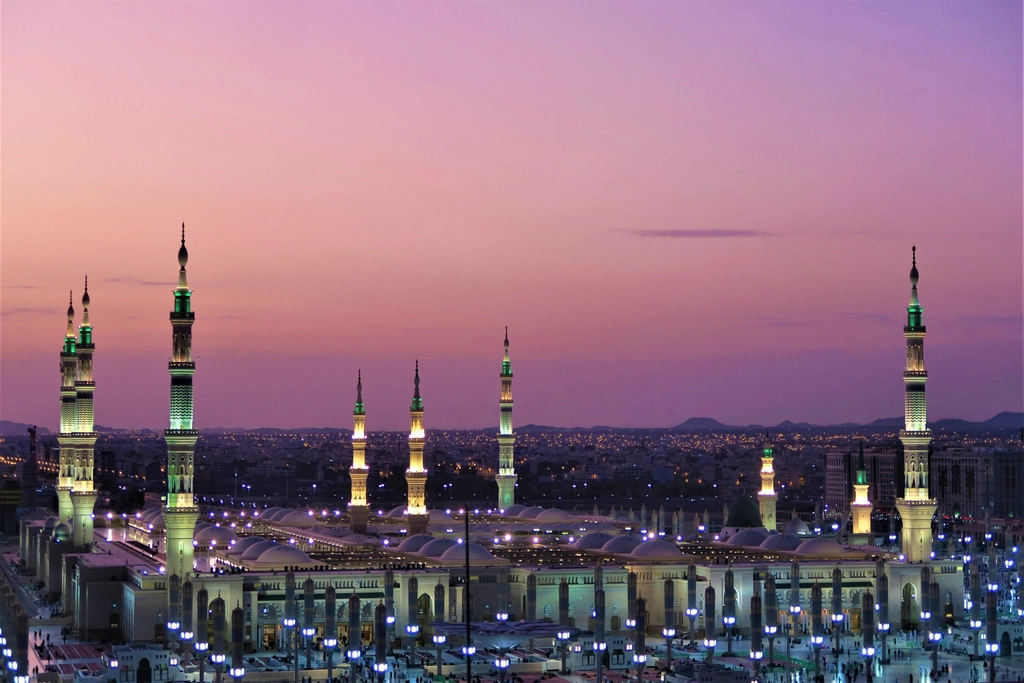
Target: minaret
point(181, 513)
point(358, 510)
point(84, 494)
point(766, 497)
point(416, 475)
point(68, 418)
point(916, 508)
point(506, 438)
point(861, 504)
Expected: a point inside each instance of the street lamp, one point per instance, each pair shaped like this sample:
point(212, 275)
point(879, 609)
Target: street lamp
point(501, 663)
point(439, 640)
point(563, 638)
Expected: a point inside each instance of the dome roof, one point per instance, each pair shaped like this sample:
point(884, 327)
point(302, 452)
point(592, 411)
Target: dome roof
point(62, 532)
point(269, 511)
point(199, 527)
point(278, 515)
point(148, 515)
point(397, 513)
point(413, 544)
point(296, 518)
point(819, 545)
point(595, 540)
point(781, 542)
point(744, 514)
point(157, 521)
point(554, 515)
point(219, 534)
point(531, 513)
point(748, 537)
point(621, 544)
point(284, 555)
point(50, 523)
point(244, 544)
point(514, 510)
point(476, 552)
point(439, 517)
point(797, 527)
point(254, 551)
point(656, 549)
point(437, 547)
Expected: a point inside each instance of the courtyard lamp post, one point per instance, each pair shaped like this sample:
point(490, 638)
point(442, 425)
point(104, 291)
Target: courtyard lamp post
point(692, 611)
point(771, 616)
point(439, 640)
point(202, 629)
point(756, 653)
point(669, 631)
point(882, 607)
point(563, 638)
point(330, 627)
point(709, 623)
point(729, 608)
point(867, 649)
point(991, 629)
point(817, 639)
point(640, 639)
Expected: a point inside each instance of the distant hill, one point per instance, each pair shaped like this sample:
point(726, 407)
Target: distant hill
point(1002, 421)
point(702, 424)
point(8, 428)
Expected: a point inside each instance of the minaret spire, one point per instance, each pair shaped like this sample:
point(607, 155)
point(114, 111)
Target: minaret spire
point(416, 475)
point(767, 499)
point(68, 417)
point(506, 438)
point(84, 494)
point(861, 505)
point(181, 512)
point(358, 509)
point(916, 507)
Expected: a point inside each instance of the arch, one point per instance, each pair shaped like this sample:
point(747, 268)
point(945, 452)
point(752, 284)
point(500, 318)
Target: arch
point(910, 612)
point(1004, 645)
point(424, 615)
point(144, 674)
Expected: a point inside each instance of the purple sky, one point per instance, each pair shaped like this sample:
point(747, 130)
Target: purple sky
point(679, 209)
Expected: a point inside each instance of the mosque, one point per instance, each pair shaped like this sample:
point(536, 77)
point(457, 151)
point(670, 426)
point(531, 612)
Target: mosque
point(134, 580)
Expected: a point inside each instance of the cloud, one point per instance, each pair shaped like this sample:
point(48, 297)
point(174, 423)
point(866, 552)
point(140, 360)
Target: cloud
point(696, 234)
point(24, 311)
point(132, 280)
point(880, 318)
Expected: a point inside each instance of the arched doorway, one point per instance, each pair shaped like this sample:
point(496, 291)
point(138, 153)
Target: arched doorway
point(144, 674)
point(424, 615)
point(910, 613)
point(1004, 645)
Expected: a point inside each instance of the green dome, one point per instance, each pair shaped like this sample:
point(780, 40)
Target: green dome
point(744, 514)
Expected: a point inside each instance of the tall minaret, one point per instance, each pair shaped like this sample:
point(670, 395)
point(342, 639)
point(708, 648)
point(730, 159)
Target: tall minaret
point(181, 513)
point(916, 508)
point(84, 494)
point(861, 504)
point(68, 418)
point(506, 438)
point(766, 497)
point(358, 510)
point(416, 475)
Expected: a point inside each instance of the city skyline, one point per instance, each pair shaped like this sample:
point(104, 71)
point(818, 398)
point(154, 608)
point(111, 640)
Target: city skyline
point(651, 268)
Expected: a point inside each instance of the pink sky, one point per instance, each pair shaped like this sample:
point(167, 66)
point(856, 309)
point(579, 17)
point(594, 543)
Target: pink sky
point(364, 184)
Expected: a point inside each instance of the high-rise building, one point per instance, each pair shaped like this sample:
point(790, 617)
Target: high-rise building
point(181, 512)
point(506, 438)
point(916, 507)
point(967, 481)
point(68, 419)
point(358, 510)
point(767, 499)
point(83, 493)
point(416, 475)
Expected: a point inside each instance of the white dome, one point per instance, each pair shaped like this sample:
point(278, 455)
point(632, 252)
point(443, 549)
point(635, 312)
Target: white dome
point(265, 514)
point(413, 544)
point(221, 534)
point(797, 527)
point(439, 517)
point(656, 550)
point(819, 545)
point(748, 538)
point(621, 545)
point(244, 544)
point(437, 547)
point(514, 510)
point(148, 515)
point(554, 515)
point(781, 542)
point(284, 554)
point(531, 513)
point(254, 551)
point(595, 540)
point(397, 513)
point(476, 552)
point(50, 523)
point(279, 515)
point(296, 518)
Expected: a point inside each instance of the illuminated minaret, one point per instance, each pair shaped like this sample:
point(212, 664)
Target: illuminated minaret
point(506, 438)
point(83, 493)
point(416, 475)
point(916, 508)
point(861, 504)
point(766, 497)
point(181, 513)
point(68, 418)
point(358, 511)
